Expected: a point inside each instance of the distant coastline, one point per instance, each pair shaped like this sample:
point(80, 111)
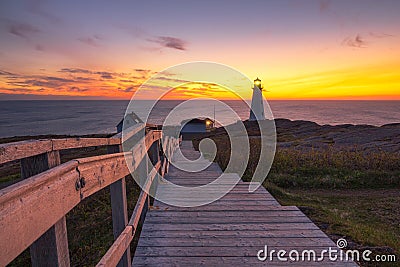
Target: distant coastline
point(71, 117)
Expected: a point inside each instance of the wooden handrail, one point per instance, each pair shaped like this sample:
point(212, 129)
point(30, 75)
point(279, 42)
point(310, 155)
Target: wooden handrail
point(117, 249)
point(30, 207)
point(23, 149)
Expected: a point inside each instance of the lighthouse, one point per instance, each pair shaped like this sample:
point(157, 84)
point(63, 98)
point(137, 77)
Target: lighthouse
point(257, 106)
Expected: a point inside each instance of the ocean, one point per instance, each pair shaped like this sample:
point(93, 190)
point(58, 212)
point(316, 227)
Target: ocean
point(20, 118)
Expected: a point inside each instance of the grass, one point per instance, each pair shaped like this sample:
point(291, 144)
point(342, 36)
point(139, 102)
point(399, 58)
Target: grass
point(347, 193)
point(367, 218)
point(329, 168)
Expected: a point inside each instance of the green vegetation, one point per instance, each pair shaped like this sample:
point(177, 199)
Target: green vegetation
point(9, 178)
point(347, 193)
point(329, 168)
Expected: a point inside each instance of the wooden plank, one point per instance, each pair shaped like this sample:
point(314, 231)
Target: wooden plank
point(23, 149)
point(214, 188)
point(218, 251)
point(210, 170)
point(239, 185)
point(29, 148)
point(187, 261)
point(208, 195)
point(223, 207)
point(52, 247)
point(154, 156)
point(129, 132)
point(205, 192)
point(233, 233)
point(118, 248)
point(68, 143)
point(232, 226)
point(119, 209)
point(211, 190)
point(239, 202)
point(227, 220)
point(141, 202)
point(101, 171)
point(24, 205)
point(228, 241)
point(216, 214)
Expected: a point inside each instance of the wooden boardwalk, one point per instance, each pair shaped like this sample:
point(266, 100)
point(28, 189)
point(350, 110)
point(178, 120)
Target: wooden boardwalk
point(227, 232)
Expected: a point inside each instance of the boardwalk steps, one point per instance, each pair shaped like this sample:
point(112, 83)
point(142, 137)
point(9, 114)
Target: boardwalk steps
point(227, 232)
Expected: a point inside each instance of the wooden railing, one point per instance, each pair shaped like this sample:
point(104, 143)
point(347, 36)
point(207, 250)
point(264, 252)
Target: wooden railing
point(32, 211)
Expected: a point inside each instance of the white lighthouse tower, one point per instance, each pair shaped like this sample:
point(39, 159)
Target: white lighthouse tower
point(257, 106)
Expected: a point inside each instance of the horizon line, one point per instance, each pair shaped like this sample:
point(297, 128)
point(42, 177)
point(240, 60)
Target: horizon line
point(221, 99)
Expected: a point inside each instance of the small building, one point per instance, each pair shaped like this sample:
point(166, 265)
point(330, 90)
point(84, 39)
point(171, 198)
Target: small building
point(196, 126)
point(129, 120)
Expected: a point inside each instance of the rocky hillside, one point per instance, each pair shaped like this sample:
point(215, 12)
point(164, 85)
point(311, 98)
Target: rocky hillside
point(307, 134)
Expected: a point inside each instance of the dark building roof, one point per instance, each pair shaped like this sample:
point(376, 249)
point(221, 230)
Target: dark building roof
point(135, 119)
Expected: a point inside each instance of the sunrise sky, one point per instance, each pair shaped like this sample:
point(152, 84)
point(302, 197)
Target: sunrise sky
point(301, 49)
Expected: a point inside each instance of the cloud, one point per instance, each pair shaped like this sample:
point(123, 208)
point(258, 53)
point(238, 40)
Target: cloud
point(74, 81)
point(130, 89)
point(105, 74)
point(22, 30)
point(21, 90)
point(169, 42)
point(92, 41)
point(57, 79)
point(380, 35)
point(6, 73)
point(36, 7)
point(324, 5)
point(39, 47)
point(39, 80)
point(77, 89)
point(162, 78)
point(75, 70)
point(357, 41)
point(142, 70)
point(134, 31)
point(84, 79)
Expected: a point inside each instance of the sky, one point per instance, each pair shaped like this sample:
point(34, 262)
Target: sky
point(300, 49)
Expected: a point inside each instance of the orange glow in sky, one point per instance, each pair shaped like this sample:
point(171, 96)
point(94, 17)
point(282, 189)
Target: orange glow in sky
point(299, 49)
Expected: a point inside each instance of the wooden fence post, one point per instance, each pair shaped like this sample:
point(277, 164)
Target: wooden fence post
point(51, 249)
point(119, 209)
point(141, 174)
point(154, 155)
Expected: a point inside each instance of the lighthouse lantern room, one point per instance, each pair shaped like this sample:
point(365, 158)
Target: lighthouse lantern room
point(257, 105)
